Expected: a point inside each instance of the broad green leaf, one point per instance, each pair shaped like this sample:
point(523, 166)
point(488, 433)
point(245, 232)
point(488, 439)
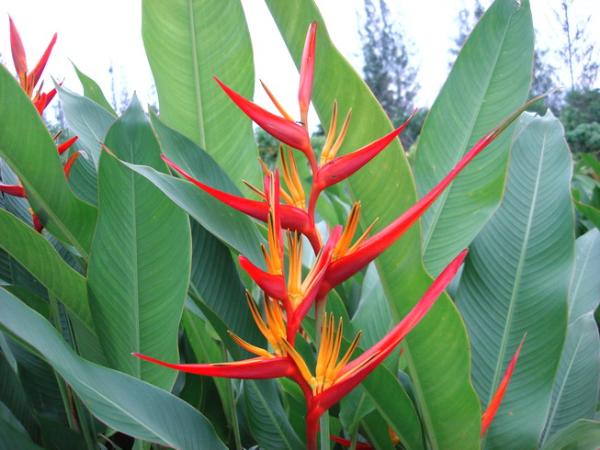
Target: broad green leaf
point(516, 281)
point(584, 293)
point(36, 254)
point(437, 350)
point(581, 435)
point(188, 42)
point(490, 79)
point(86, 119)
point(266, 418)
point(92, 91)
point(139, 269)
point(11, 438)
point(28, 147)
point(378, 431)
point(575, 391)
point(215, 281)
point(230, 226)
point(121, 401)
point(13, 396)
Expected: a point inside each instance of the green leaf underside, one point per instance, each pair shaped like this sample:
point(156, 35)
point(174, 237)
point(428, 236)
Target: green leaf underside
point(28, 148)
point(188, 42)
point(490, 79)
point(437, 350)
point(122, 402)
point(140, 263)
point(516, 280)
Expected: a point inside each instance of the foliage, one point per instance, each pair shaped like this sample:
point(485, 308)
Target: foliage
point(133, 236)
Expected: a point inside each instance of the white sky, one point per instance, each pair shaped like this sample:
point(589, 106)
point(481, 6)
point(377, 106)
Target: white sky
point(96, 34)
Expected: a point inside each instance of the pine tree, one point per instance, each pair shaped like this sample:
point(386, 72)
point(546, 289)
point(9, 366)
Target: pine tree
point(387, 68)
point(467, 19)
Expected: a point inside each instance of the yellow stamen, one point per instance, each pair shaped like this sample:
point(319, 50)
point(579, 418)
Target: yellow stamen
point(291, 177)
point(330, 135)
point(275, 102)
point(341, 136)
point(343, 246)
point(362, 237)
point(294, 281)
point(254, 189)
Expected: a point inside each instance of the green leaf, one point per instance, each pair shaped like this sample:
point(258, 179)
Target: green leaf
point(11, 438)
point(437, 350)
point(576, 387)
point(13, 396)
point(490, 79)
point(581, 435)
point(516, 281)
point(266, 418)
point(584, 293)
point(592, 214)
point(121, 401)
point(139, 270)
point(92, 91)
point(230, 226)
point(86, 119)
point(188, 42)
point(28, 147)
point(36, 254)
point(215, 281)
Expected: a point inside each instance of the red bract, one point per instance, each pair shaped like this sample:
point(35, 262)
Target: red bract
point(492, 409)
point(290, 292)
point(348, 443)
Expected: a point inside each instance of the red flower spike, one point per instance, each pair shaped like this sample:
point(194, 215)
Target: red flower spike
point(69, 164)
point(342, 167)
point(358, 369)
point(36, 73)
point(346, 266)
point(66, 145)
point(254, 368)
point(492, 409)
point(273, 285)
point(292, 218)
point(347, 443)
point(13, 189)
point(18, 51)
point(37, 223)
point(307, 70)
point(284, 130)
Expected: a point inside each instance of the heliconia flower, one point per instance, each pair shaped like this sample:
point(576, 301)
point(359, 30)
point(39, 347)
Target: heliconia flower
point(29, 80)
point(333, 379)
point(359, 256)
point(69, 164)
point(307, 70)
point(292, 218)
point(338, 169)
point(43, 99)
point(37, 223)
point(66, 145)
point(266, 365)
point(492, 409)
point(334, 376)
point(285, 130)
point(16, 190)
point(347, 443)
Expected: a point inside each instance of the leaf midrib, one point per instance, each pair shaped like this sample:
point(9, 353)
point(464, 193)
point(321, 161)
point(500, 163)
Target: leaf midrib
point(441, 202)
point(518, 274)
point(196, 80)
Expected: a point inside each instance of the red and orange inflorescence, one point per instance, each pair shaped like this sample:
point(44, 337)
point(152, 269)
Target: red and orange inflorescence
point(29, 80)
point(288, 294)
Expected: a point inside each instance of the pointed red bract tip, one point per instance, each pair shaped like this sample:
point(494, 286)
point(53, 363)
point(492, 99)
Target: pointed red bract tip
point(342, 167)
point(284, 130)
point(66, 145)
point(17, 49)
point(492, 409)
point(273, 285)
point(69, 164)
point(307, 69)
point(37, 223)
point(348, 443)
point(12, 189)
point(359, 368)
point(254, 368)
point(36, 73)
